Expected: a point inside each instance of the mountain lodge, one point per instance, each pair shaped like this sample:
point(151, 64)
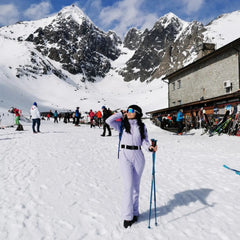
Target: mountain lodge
point(211, 83)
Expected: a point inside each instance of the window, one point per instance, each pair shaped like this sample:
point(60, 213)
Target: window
point(173, 86)
point(179, 84)
point(179, 102)
point(174, 104)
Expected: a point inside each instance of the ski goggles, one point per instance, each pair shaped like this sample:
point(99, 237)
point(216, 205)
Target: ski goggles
point(131, 110)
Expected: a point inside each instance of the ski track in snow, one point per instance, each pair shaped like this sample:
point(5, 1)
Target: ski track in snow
point(64, 183)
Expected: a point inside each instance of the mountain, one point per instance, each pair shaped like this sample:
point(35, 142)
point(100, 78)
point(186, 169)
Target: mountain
point(164, 47)
point(65, 60)
point(173, 43)
point(74, 41)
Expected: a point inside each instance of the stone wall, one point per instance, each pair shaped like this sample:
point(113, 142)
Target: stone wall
point(206, 79)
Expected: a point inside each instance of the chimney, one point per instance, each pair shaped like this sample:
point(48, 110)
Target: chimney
point(205, 48)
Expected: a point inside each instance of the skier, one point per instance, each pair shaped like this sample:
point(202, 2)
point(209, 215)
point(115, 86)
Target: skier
point(180, 122)
point(106, 114)
point(35, 117)
point(132, 161)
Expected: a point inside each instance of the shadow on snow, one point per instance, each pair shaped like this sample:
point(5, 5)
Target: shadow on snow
point(180, 199)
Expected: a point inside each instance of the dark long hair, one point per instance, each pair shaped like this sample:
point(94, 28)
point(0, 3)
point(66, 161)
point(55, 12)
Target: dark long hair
point(140, 125)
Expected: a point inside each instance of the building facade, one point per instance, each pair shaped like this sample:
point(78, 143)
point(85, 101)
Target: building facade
point(216, 74)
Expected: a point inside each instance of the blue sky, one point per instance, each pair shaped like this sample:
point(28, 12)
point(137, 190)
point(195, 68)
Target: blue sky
point(118, 15)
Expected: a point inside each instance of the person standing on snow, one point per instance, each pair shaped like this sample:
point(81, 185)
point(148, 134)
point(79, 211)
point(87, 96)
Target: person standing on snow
point(91, 115)
point(99, 118)
point(180, 122)
point(55, 116)
point(17, 114)
point(132, 161)
point(77, 116)
point(106, 114)
point(35, 117)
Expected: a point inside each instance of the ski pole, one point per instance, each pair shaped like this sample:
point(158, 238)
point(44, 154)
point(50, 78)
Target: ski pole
point(153, 187)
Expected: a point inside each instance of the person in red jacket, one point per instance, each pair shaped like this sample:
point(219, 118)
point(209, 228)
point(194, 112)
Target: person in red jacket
point(99, 118)
point(91, 115)
point(17, 113)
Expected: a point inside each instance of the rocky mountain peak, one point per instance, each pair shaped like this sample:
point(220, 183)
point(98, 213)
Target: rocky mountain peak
point(74, 41)
point(132, 39)
point(165, 46)
point(73, 12)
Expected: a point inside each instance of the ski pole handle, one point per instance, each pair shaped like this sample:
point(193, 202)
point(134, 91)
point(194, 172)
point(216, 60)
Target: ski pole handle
point(154, 142)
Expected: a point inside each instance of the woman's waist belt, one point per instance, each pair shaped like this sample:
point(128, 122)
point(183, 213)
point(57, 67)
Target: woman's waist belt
point(131, 147)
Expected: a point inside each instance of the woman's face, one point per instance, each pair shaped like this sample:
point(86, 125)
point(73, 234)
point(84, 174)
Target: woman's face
point(131, 113)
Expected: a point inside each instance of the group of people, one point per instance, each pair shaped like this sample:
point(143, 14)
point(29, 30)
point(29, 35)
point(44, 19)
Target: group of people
point(173, 121)
point(98, 118)
point(95, 118)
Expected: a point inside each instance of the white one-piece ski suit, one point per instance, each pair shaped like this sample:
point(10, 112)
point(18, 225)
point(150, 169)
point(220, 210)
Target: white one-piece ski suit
point(132, 163)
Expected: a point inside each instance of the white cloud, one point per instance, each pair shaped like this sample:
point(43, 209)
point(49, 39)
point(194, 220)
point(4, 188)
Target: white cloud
point(97, 4)
point(191, 6)
point(8, 14)
point(125, 14)
point(38, 11)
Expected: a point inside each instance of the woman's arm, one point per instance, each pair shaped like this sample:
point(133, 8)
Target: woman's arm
point(112, 121)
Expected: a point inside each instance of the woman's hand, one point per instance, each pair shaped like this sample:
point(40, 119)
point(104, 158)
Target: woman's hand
point(153, 149)
point(124, 113)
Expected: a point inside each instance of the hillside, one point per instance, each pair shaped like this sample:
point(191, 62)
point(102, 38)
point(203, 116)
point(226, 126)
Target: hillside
point(42, 61)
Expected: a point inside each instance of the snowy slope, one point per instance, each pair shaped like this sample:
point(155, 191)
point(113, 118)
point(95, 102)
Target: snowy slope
point(24, 29)
point(224, 29)
point(65, 183)
point(54, 93)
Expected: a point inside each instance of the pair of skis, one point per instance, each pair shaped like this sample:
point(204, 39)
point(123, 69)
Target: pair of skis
point(234, 170)
point(221, 125)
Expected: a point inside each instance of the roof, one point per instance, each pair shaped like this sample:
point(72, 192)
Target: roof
point(231, 45)
point(202, 102)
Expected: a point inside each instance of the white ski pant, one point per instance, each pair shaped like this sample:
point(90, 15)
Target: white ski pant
point(132, 164)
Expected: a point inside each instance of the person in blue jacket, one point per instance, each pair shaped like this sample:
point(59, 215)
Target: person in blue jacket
point(77, 116)
point(180, 122)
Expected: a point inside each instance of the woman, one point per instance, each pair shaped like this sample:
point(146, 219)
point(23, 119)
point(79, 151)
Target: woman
point(132, 161)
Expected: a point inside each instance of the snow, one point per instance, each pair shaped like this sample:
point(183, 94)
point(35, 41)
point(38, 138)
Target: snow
point(24, 29)
point(223, 30)
point(75, 13)
point(64, 183)
point(52, 93)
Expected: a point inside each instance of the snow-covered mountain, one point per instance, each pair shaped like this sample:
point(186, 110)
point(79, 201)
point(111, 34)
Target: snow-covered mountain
point(173, 43)
point(65, 61)
point(166, 46)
